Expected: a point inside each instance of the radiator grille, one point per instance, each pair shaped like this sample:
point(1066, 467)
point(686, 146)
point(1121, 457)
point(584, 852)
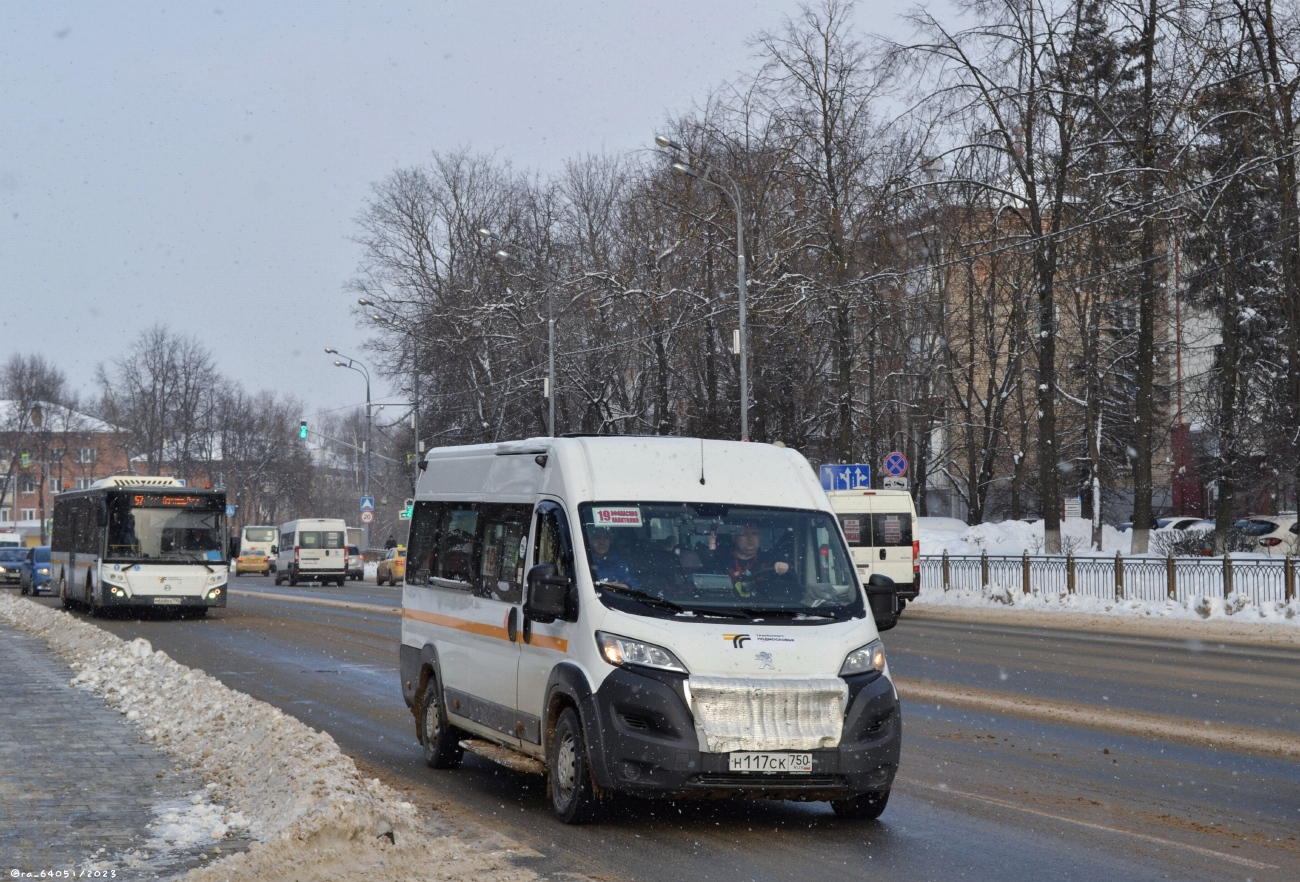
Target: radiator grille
point(768, 714)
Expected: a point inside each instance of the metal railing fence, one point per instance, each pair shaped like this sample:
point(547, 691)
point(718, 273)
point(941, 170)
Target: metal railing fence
point(1119, 578)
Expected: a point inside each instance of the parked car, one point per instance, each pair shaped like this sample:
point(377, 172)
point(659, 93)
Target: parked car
point(34, 577)
point(1273, 534)
point(1177, 523)
point(356, 567)
point(253, 562)
point(11, 561)
point(392, 569)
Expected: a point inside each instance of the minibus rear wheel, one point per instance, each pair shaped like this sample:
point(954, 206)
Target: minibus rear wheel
point(864, 807)
point(442, 748)
point(572, 795)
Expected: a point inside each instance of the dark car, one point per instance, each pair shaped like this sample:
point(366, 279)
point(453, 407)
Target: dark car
point(356, 568)
point(11, 561)
point(35, 574)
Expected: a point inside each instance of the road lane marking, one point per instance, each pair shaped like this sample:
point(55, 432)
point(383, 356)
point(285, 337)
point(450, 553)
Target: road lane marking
point(1156, 727)
point(1206, 852)
point(320, 601)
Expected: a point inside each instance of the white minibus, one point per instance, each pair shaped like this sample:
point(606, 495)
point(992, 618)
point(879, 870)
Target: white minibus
point(312, 550)
point(663, 617)
point(257, 538)
point(880, 527)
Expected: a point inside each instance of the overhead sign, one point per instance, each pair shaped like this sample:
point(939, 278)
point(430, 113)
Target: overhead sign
point(893, 483)
point(896, 464)
point(367, 517)
point(367, 503)
point(856, 476)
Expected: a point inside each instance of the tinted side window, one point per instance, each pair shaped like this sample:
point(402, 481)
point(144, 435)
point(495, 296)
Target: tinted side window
point(61, 540)
point(552, 543)
point(422, 545)
point(457, 544)
point(504, 541)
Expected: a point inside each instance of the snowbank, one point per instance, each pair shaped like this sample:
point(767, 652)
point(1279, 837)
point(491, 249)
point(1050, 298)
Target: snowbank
point(269, 777)
point(1237, 607)
point(938, 535)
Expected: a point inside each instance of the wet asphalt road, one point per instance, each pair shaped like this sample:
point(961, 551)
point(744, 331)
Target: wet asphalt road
point(979, 796)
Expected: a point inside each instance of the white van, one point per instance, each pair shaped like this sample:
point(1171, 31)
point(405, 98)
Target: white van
point(312, 550)
point(880, 527)
point(646, 615)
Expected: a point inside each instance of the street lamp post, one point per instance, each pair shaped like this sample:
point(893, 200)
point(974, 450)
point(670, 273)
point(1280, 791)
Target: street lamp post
point(733, 193)
point(353, 364)
point(392, 322)
point(503, 254)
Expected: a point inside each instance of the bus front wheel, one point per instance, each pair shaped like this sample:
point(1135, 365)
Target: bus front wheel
point(63, 593)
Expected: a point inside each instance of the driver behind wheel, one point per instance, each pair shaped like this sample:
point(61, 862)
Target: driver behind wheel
point(748, 566)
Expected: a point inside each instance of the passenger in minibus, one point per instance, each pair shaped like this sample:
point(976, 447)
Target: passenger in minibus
point(749, 566)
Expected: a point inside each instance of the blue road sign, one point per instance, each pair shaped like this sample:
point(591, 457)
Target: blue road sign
point(856, 476)
point(230, 511)
point(896, 465)
point(367, 503)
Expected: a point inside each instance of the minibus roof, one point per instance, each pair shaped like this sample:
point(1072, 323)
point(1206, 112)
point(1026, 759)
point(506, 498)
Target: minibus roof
point(626, 468)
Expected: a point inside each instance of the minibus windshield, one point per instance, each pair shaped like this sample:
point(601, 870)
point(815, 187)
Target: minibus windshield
point(725, 560)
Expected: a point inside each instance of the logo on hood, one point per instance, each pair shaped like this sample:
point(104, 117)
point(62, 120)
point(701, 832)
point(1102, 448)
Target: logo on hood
point(737, 640)
point(764, 660)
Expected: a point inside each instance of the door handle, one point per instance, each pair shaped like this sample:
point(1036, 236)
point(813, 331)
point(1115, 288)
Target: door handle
point(528, 630)
point(512, 623)
point(882, 554)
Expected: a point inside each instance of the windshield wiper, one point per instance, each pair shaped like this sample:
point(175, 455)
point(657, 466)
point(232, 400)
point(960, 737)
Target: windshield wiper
point(638, 594)
point(784, 613)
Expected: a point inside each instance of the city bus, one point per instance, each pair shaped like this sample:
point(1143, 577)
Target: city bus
point(133, 541)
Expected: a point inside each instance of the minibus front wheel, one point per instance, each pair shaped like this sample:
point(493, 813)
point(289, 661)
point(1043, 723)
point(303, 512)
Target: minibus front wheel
point(442, 748)
point(572, 795)
point(864, 807)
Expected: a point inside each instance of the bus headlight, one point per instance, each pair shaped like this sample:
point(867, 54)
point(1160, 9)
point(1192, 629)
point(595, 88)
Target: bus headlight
point(117, 578)
point(217, 579)
point(864, 659)
point(215, 593)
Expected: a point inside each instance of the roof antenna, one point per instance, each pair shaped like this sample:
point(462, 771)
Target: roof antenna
point(701, 460)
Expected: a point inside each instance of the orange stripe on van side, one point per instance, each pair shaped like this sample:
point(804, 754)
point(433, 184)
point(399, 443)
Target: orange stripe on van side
point(557, 643)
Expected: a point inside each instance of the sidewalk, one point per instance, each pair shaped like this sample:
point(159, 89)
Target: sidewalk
point(76, 783)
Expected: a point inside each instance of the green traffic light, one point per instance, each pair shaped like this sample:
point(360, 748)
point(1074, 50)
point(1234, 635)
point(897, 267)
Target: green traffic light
point(302, 429)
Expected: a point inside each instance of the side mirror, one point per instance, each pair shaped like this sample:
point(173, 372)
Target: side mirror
point(882, 594)
point(275, 549)
point(548, 594)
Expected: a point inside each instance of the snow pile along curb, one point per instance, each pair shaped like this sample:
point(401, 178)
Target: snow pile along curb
point(310, 811)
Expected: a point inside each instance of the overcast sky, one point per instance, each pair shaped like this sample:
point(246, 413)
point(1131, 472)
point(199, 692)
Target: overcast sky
point(202, 165)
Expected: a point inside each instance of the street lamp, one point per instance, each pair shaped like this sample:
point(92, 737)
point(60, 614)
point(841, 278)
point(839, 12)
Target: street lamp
point(682, 166)
point(391, 322)
point(502, 254)
point(353, 364)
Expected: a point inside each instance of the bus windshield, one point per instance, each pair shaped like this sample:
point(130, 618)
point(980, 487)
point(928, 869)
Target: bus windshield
point(175, 528)
point(724, 560)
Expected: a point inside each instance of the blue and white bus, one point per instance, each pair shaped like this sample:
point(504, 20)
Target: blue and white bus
point(134, 541)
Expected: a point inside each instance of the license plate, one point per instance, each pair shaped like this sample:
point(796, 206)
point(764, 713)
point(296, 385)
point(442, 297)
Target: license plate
point(167, 601)
point(797, 763)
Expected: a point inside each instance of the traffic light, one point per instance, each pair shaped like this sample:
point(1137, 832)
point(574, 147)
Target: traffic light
point(302, 429)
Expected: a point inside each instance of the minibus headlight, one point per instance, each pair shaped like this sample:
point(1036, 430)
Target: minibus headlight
point(864, 659)
point(623, 651)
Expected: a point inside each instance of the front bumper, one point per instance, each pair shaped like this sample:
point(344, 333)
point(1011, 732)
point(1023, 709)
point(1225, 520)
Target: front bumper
point(167, 601)
point(642, 741)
